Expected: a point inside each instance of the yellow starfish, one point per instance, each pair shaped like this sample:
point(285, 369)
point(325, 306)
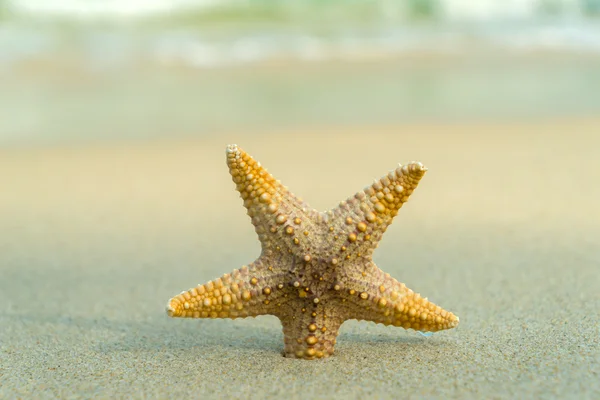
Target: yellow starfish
point(316, 269)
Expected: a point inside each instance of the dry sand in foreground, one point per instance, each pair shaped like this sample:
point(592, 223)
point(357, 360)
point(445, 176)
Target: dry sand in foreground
point(503, 231)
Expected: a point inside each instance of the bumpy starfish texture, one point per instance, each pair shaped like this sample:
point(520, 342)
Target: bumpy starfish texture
point(316, 269)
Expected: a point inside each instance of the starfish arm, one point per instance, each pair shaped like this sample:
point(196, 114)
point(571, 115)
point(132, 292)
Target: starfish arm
point(310, 330)
point(248, 292)
point(382, 299)
point(276, 213)
point(369, 212)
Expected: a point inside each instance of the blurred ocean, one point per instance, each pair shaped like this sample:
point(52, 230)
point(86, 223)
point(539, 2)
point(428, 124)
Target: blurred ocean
point(95, 69)
point(213, 33)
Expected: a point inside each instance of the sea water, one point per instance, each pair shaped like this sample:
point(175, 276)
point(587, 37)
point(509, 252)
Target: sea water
point(211, 33)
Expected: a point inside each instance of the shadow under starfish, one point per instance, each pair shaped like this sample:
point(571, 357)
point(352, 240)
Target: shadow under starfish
point(316, 269)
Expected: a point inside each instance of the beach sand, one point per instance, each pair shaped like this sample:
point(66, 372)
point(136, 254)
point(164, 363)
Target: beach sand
point(503, 230)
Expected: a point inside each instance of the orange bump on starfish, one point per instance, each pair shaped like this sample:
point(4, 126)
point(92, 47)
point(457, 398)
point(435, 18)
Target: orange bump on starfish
point(315, 270)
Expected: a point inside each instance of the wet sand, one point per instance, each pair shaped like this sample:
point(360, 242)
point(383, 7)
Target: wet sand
point(503, 231)
point(60, 101)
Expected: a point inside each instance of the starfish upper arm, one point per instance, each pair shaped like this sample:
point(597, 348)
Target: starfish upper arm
point(369, 212)
point(274, 210)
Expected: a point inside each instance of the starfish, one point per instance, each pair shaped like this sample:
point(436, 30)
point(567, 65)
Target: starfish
point(316, 269)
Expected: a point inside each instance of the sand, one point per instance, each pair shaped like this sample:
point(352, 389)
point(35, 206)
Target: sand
point(503, 231)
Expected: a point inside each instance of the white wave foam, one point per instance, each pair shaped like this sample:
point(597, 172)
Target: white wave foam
point(105, 48)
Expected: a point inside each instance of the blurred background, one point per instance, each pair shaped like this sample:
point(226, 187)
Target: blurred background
point(81, 70)
point(114, 194)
